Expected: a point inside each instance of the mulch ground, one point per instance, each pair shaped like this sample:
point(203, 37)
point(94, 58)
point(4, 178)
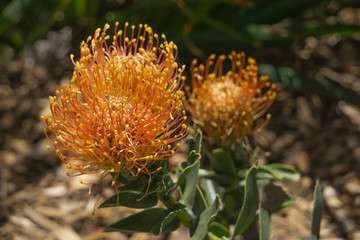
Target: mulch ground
point(320, 138)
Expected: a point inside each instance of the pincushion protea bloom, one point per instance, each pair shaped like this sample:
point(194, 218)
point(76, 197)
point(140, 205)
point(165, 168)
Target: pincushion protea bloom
point(226, 106)
point(123, 107)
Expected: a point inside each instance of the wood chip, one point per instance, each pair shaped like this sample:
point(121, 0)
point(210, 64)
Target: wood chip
point(62, 233)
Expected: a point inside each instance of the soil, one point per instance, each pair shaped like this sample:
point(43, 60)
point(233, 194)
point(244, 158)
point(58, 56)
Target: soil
point(321, 138)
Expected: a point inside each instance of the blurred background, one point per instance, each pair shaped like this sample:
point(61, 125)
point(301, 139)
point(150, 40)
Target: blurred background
point(311, 48)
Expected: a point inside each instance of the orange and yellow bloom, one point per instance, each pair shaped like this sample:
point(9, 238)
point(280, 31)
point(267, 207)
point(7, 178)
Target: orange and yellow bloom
point(123, 107)
point(226, 106)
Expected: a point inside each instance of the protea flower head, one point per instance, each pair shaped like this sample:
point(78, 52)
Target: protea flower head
point(226, 106)
point(123, 107)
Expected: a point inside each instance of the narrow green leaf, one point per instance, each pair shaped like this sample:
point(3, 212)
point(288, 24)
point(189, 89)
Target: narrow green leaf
point(162, 184)
point(242, 173)
point(250, 203)
point(206, 217)
point(161, 181)
point(171, 226)
point(170, 221)
point(278, 172)
point(287, 203)
point(200, 203)
point(13, 10)
point(207, 174)
point(131, 200)
point(221, 162)
point(182, 174)
point(240, 154)
point(212, 236)
point(188, 194)
point(211, 190)
point(317, 212)
point(148, 220)
point(136, 186)
point(264, 175)
point(188, 171)
point(316, 28)
point(254, 155)
point(285, 171)
point(125, 178)
point(219, 230)
point(195, 144)
point(179, 171)
point(264, 224)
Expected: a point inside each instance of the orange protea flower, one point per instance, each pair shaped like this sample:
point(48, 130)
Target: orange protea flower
point(123, 107)
point(226, 106)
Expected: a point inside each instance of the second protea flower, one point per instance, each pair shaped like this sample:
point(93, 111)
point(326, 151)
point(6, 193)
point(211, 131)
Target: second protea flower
point(226, 106)
point(123, 107)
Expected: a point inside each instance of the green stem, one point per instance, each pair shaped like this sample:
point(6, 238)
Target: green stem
point(184, 217)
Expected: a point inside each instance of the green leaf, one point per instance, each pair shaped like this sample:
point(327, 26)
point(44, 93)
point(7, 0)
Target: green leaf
point(250, 203)
point(170, 222)
point(162, 185)
point(171, 226)
point(136, 185)
point(242, 173)
point(211, 190)
point(188, 194)
point(315, 28)
point(13, 10)
point(183, 172)
point(149, 220)
point(180, 171)
point(125, 177)
point(206, 217)
point(287, 203)
point(200, 203)
point(254, 155)
point(264, 224)
point(195, 144)
point(187, 172)
point(278, 172)
point(221, 162)
point(219, 230)
point(240, 154)
point(131, 200)
point(317, 212)
point(203, 173)
point(324, 88)
point(161, 181)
